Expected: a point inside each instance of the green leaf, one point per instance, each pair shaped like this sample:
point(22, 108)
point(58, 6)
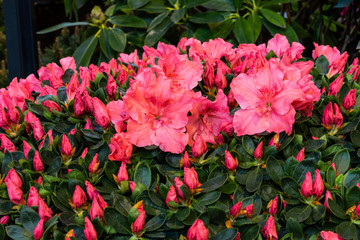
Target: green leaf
point(157, 20)
point(349, 126)
point(347, 230)
point(227, 234)
point(104, 44)
point(254, 179)
point(294, 227)
point(117, 39)
point(248, 145)
point(255, 24)
point(288, 31)
point(18, 233)
point(299, 213)
point(351, 178)
point(62, 25)
point(122, 204)
point(322, 64)
point(220, 5)
point(274, 169)
point(223, 29)
point(352, 196)
point(177, 15)
point(134, 4)
point(128, 21)
point(312, 145)
point(6, 163)
point(342, 161)
point(155, 223)
point(290, 186)
point(115, 219)
point(273, 17)
point(250, 233)
point(276, 2)
point(217, 215)
point(243, 31)
point(209, 198)
point(214, 183)
point(143, 175)
point(84, 52)
point(318, 212)
point(207, 17)
point(194, 3)
point(302, 168)
point(29, 218)
point(158, 32)
point(336, 209)
point(182, 213)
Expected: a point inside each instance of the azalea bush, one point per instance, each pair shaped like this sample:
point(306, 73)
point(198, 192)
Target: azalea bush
point(194, 141)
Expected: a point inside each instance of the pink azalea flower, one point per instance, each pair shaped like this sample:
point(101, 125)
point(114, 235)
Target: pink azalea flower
point(157, 114)
point(207, 118)
point(265, 100)
point(336, 61)
point(117, 113)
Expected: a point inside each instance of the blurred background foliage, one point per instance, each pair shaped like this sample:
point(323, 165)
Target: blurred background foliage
point(115, 26)
point(94, 31)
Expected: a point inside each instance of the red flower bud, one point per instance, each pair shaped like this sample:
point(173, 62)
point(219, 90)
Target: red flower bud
point(333, 166)
point(350, 99)
point(307, 186)
point(26, 148)
point(39, 180)
point(178, 184)
point(357, 210)
point(318, 188)
point(269, 230)
point(4, 219)
point(139, 223)
point(198, 231)
point(51, 105)
point(96, 210)
point(199, 147)
point(258, 153)
point(249, 210)
point(89, 231)
point(44, 211)
point(66, 147)
point(100, 113)
point(51, 138)
point(94, 165)
point(220, 139)
point(69, 234)
point(301, 155)
point(90, 190)
point(34, 125)
point(328, 115)
point(88, 124)
point(39, 230)
point(6, 144)
point(191, 178)
point(187, 162)
point(336, 85)
point(327, 196)
point(37, 163)
point(79, 196)
point(33, 197)
point(132, 185)
point(72, 132)
point(122, 174)
point(171, 196)
point(274, 206)
point(237, 236)
point(121, 149)
point(230, 162)
point(338, 117)
point(329, 235)
point(234, 211)
point(274, 141)
point(13, 177)
point(83, 154)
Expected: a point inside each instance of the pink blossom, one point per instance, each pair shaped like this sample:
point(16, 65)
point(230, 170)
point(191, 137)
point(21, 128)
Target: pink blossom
point(120, 147)
point(207, 118)
point(6, 144)
point(157, 114)
point(335, 86)
point(336, 61)
point(265, 100)
point(117, 113)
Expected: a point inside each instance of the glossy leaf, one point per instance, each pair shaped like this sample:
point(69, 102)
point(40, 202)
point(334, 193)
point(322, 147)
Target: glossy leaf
point(84, 52)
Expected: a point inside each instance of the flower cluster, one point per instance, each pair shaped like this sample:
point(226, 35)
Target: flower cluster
point(201, 140)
